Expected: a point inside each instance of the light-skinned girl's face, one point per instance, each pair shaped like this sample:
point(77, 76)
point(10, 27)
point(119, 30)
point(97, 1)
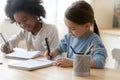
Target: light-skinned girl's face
point(25, 20)
point(77, 30)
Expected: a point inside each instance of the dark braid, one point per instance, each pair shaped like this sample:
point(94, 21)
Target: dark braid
point(95, 28)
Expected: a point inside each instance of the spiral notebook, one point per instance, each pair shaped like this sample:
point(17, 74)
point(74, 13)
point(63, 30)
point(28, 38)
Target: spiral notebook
point(31, 64)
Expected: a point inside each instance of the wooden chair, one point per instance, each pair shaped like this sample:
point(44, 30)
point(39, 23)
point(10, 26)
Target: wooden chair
point(116, 56)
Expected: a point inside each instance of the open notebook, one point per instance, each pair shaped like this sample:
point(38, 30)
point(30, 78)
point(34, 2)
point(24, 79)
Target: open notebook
point(31, 64)
point(22, 54)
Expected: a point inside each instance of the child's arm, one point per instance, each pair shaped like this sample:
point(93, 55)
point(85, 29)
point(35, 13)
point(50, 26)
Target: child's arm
point(92, 64)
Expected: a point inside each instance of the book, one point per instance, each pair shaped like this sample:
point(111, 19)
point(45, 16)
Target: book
point(31, 64)
point(23, 54)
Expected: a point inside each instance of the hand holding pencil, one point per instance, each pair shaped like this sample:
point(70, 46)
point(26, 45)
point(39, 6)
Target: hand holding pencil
point(50, 54)
point(5, 47)
point(53, 53)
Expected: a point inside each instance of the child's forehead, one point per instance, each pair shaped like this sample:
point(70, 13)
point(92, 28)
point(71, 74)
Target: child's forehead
point(70, 23)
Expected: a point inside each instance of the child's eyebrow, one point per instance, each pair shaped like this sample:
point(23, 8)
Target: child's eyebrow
point(22, 19)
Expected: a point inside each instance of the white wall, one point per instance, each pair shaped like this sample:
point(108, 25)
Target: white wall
point(103, 10)
point(2, 13)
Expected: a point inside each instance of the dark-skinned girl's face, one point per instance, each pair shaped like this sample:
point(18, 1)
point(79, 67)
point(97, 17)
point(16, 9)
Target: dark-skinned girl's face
point(25, 20)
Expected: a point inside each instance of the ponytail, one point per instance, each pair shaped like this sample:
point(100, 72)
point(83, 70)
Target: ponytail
point(95, 28)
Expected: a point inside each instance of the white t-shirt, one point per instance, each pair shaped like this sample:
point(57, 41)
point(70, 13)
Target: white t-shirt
point(36, 42)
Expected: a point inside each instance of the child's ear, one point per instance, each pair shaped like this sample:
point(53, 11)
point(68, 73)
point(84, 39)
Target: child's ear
point(88, 25)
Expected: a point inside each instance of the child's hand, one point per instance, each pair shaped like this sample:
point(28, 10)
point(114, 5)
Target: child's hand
point(6, 48)
point(52, 54)
point(64, 62)
point(48, 55)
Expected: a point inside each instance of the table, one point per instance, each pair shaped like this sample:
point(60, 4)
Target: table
point(54, 73)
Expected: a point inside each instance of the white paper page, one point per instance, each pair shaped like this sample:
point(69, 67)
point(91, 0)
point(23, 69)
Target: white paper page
point(30, 64)
point(23, 54)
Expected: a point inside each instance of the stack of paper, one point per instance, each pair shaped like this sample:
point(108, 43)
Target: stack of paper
point(22, 54)
point(31, 64)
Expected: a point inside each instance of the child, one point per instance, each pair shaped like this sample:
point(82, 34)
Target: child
point(28, 15)
point(79, 18)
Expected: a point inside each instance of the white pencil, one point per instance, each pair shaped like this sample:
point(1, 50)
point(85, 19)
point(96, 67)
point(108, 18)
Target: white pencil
point(3, 38)
point(92, 46)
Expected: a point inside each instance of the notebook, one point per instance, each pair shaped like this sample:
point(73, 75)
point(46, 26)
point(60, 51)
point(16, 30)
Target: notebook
point(31, 64)
point(23, 54)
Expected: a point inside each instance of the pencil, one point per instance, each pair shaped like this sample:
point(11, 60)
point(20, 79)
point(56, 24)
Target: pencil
point(5, 42)
point(3, 38)
point(72, 49)
point(48, 48)
point(92, 46)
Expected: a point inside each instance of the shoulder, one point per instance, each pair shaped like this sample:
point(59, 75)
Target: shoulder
point(49, 26)
point(94, 35)
point(94, 38)
point(24, 33)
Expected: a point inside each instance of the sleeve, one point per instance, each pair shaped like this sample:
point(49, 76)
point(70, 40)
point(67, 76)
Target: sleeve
point(99, 54)
point(15, 39)
point(62, 45)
